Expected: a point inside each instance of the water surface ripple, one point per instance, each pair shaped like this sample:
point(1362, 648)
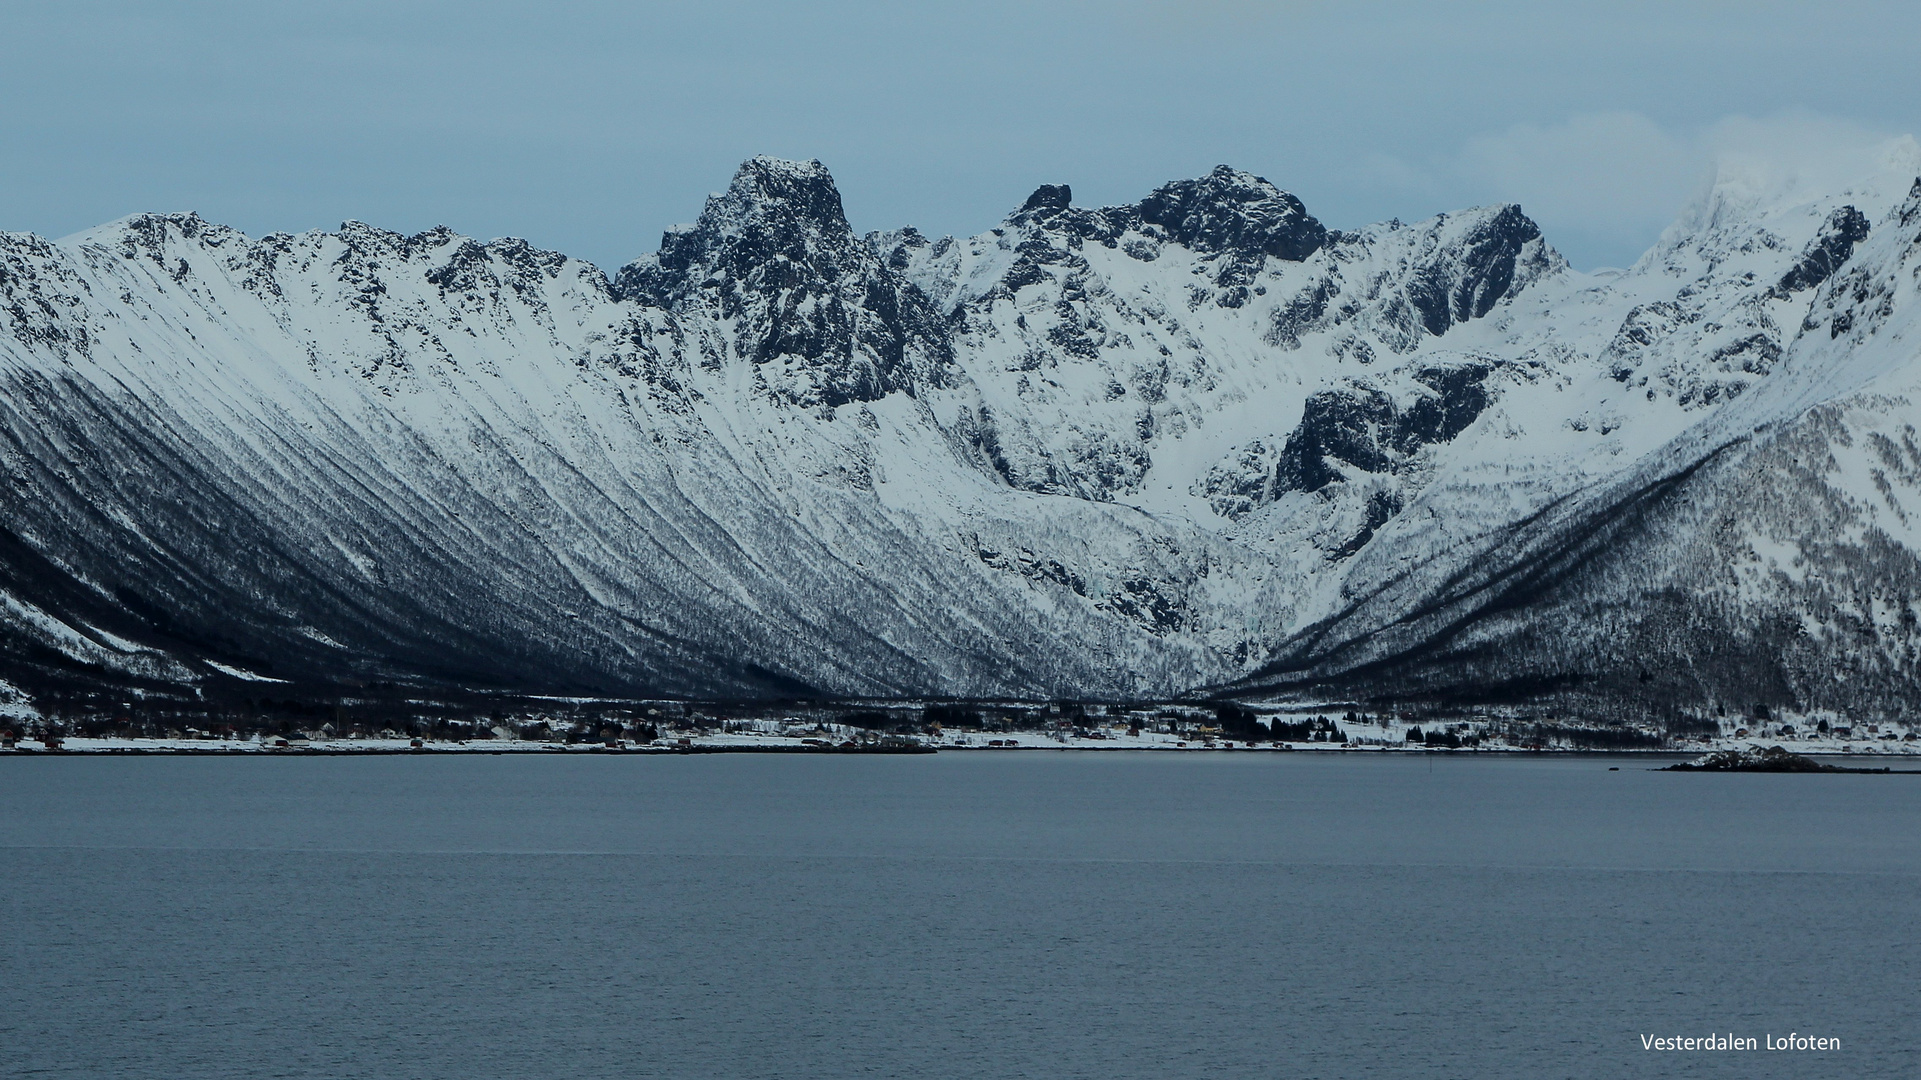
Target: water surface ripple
point(1058, 915)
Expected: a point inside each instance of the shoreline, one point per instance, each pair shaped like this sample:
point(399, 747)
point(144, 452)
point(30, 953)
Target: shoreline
point(748, 744)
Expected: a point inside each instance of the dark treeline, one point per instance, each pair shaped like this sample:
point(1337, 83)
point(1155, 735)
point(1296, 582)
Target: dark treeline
point(1588, 738)
point(388, 713)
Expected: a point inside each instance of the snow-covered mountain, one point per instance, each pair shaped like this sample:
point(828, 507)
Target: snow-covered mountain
point(1195, 443)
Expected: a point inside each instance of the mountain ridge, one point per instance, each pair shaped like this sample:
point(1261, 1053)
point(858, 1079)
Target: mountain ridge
point(1199, 443)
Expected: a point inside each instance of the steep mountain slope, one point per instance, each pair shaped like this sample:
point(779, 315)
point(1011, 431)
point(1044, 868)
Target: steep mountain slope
point(1764, 557)
point(1197, 441)
point(366, 456)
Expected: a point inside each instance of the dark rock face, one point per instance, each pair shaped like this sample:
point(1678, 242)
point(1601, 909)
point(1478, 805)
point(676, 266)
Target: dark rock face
point(1470, 278)
point(775, 255)
point(1150, 603)
point(1233, 211)
point(1364, 428)
point(1349, 426)
point(1460, 394)
point(1845, 228)
point(1048, 197)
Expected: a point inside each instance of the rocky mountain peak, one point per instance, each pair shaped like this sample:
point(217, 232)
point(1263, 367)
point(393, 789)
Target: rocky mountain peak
point(1231, 210)
point(1048, 197)
point(774, 255)
point(150, 234)
point(779, 223)
point(1495, 256)
point(793, 206)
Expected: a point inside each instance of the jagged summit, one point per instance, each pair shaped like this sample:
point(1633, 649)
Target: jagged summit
point(778, 222)
point(1048, 197)
point(812, 306)
point(1228, 211)
point(1492, 258)
point(1232, 210)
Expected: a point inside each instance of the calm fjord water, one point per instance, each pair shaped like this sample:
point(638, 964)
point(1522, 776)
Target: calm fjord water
point(962, 915)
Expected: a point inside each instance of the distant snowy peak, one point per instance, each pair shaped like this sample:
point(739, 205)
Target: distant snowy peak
point(1750, 207)
point(1226, 213)
point(1716, 304)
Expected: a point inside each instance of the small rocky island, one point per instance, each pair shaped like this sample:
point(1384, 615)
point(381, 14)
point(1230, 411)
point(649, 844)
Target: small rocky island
point(1756, 759)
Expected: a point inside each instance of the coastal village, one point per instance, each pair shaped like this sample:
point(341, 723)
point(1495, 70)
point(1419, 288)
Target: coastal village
point(585, 725)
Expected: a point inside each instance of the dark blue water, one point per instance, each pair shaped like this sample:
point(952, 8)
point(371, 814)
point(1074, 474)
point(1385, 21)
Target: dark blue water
point(963, 915)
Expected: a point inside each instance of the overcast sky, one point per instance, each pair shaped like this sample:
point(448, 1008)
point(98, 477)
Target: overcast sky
point(589, 127)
